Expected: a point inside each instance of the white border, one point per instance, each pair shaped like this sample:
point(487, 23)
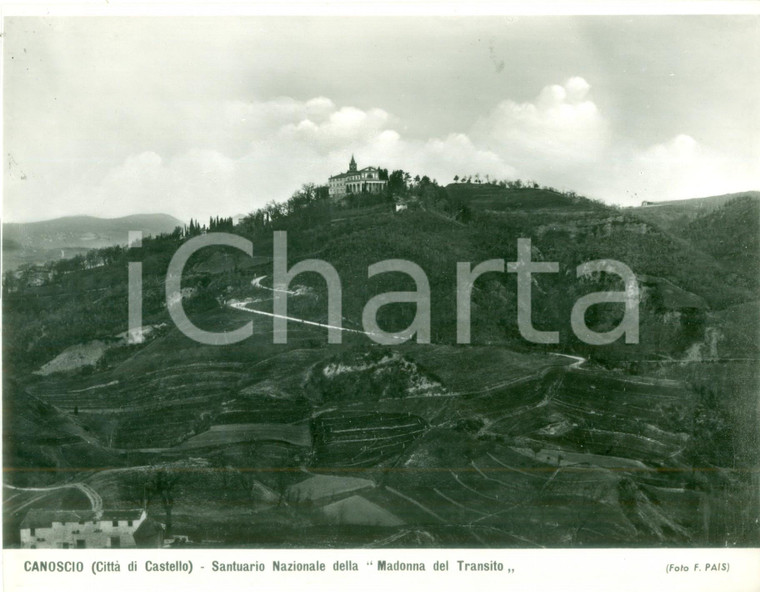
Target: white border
point(546, 569)
point(383, 8)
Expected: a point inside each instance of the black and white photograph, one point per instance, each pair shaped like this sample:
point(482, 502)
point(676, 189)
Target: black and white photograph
point(381, 282)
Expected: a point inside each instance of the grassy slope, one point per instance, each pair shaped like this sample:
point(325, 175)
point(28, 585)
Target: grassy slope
point(171, 388)
point(731, 234)
point(674, 213)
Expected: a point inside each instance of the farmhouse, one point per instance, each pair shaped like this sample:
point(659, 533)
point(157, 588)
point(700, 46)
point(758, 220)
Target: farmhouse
point(86, 529)
point(366, 180)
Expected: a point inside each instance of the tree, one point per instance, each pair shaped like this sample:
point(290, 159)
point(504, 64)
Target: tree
point(465, 214)
point(397, 182)
point(162, 483)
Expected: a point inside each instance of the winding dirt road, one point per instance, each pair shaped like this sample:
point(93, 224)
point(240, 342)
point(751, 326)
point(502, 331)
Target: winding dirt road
point(96, 502)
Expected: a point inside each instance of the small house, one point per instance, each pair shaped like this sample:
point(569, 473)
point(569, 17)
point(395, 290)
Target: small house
point(87, 529)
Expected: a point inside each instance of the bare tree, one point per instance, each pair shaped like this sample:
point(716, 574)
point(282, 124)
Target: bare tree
point(162, 483)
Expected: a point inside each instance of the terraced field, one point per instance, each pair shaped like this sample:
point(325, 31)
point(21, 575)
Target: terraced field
point(571, 457)
point(470, 447)
point(363, 440)
point(164, 407)
point(221, 435)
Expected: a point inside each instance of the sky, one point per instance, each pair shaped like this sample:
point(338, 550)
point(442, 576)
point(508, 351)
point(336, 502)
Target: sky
point(205, 116)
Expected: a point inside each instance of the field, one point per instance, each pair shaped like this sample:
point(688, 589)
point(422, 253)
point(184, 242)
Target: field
point(517, 450)
point(500, 443)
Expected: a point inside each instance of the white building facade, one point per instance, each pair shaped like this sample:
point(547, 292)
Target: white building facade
point(353, 181)
point(73, 529)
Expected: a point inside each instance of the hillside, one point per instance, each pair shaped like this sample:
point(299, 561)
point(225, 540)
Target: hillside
point(499, 448)
point(669, 214)
point(501, 443)
point(486, 196)
point(38, 242)
point(731, 234)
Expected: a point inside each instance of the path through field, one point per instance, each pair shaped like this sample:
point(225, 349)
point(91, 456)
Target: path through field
point(579, 361)
point(96, 502)
point(256, 283)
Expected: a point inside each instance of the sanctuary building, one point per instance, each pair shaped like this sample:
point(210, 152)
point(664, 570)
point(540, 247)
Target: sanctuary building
point(366, 180)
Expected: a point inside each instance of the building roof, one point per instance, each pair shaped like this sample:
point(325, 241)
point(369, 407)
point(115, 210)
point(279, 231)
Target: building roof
point(45, 518)
point(131, 514)
point(357, 172)
point(37, 518)
point(147, 529)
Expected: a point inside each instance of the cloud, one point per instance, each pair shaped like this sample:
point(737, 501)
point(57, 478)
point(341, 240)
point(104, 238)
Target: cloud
point(195, 183)
point(680, 167)
point(443, 158)
point(563, 139)
point(347, 125)
point(288, 143)
point(562, 128)
point(230, 157)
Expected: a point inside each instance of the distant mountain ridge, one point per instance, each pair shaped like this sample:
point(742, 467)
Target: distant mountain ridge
point(707, 201)
point(668, 214)
point(79, 229)
point(38, 242)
